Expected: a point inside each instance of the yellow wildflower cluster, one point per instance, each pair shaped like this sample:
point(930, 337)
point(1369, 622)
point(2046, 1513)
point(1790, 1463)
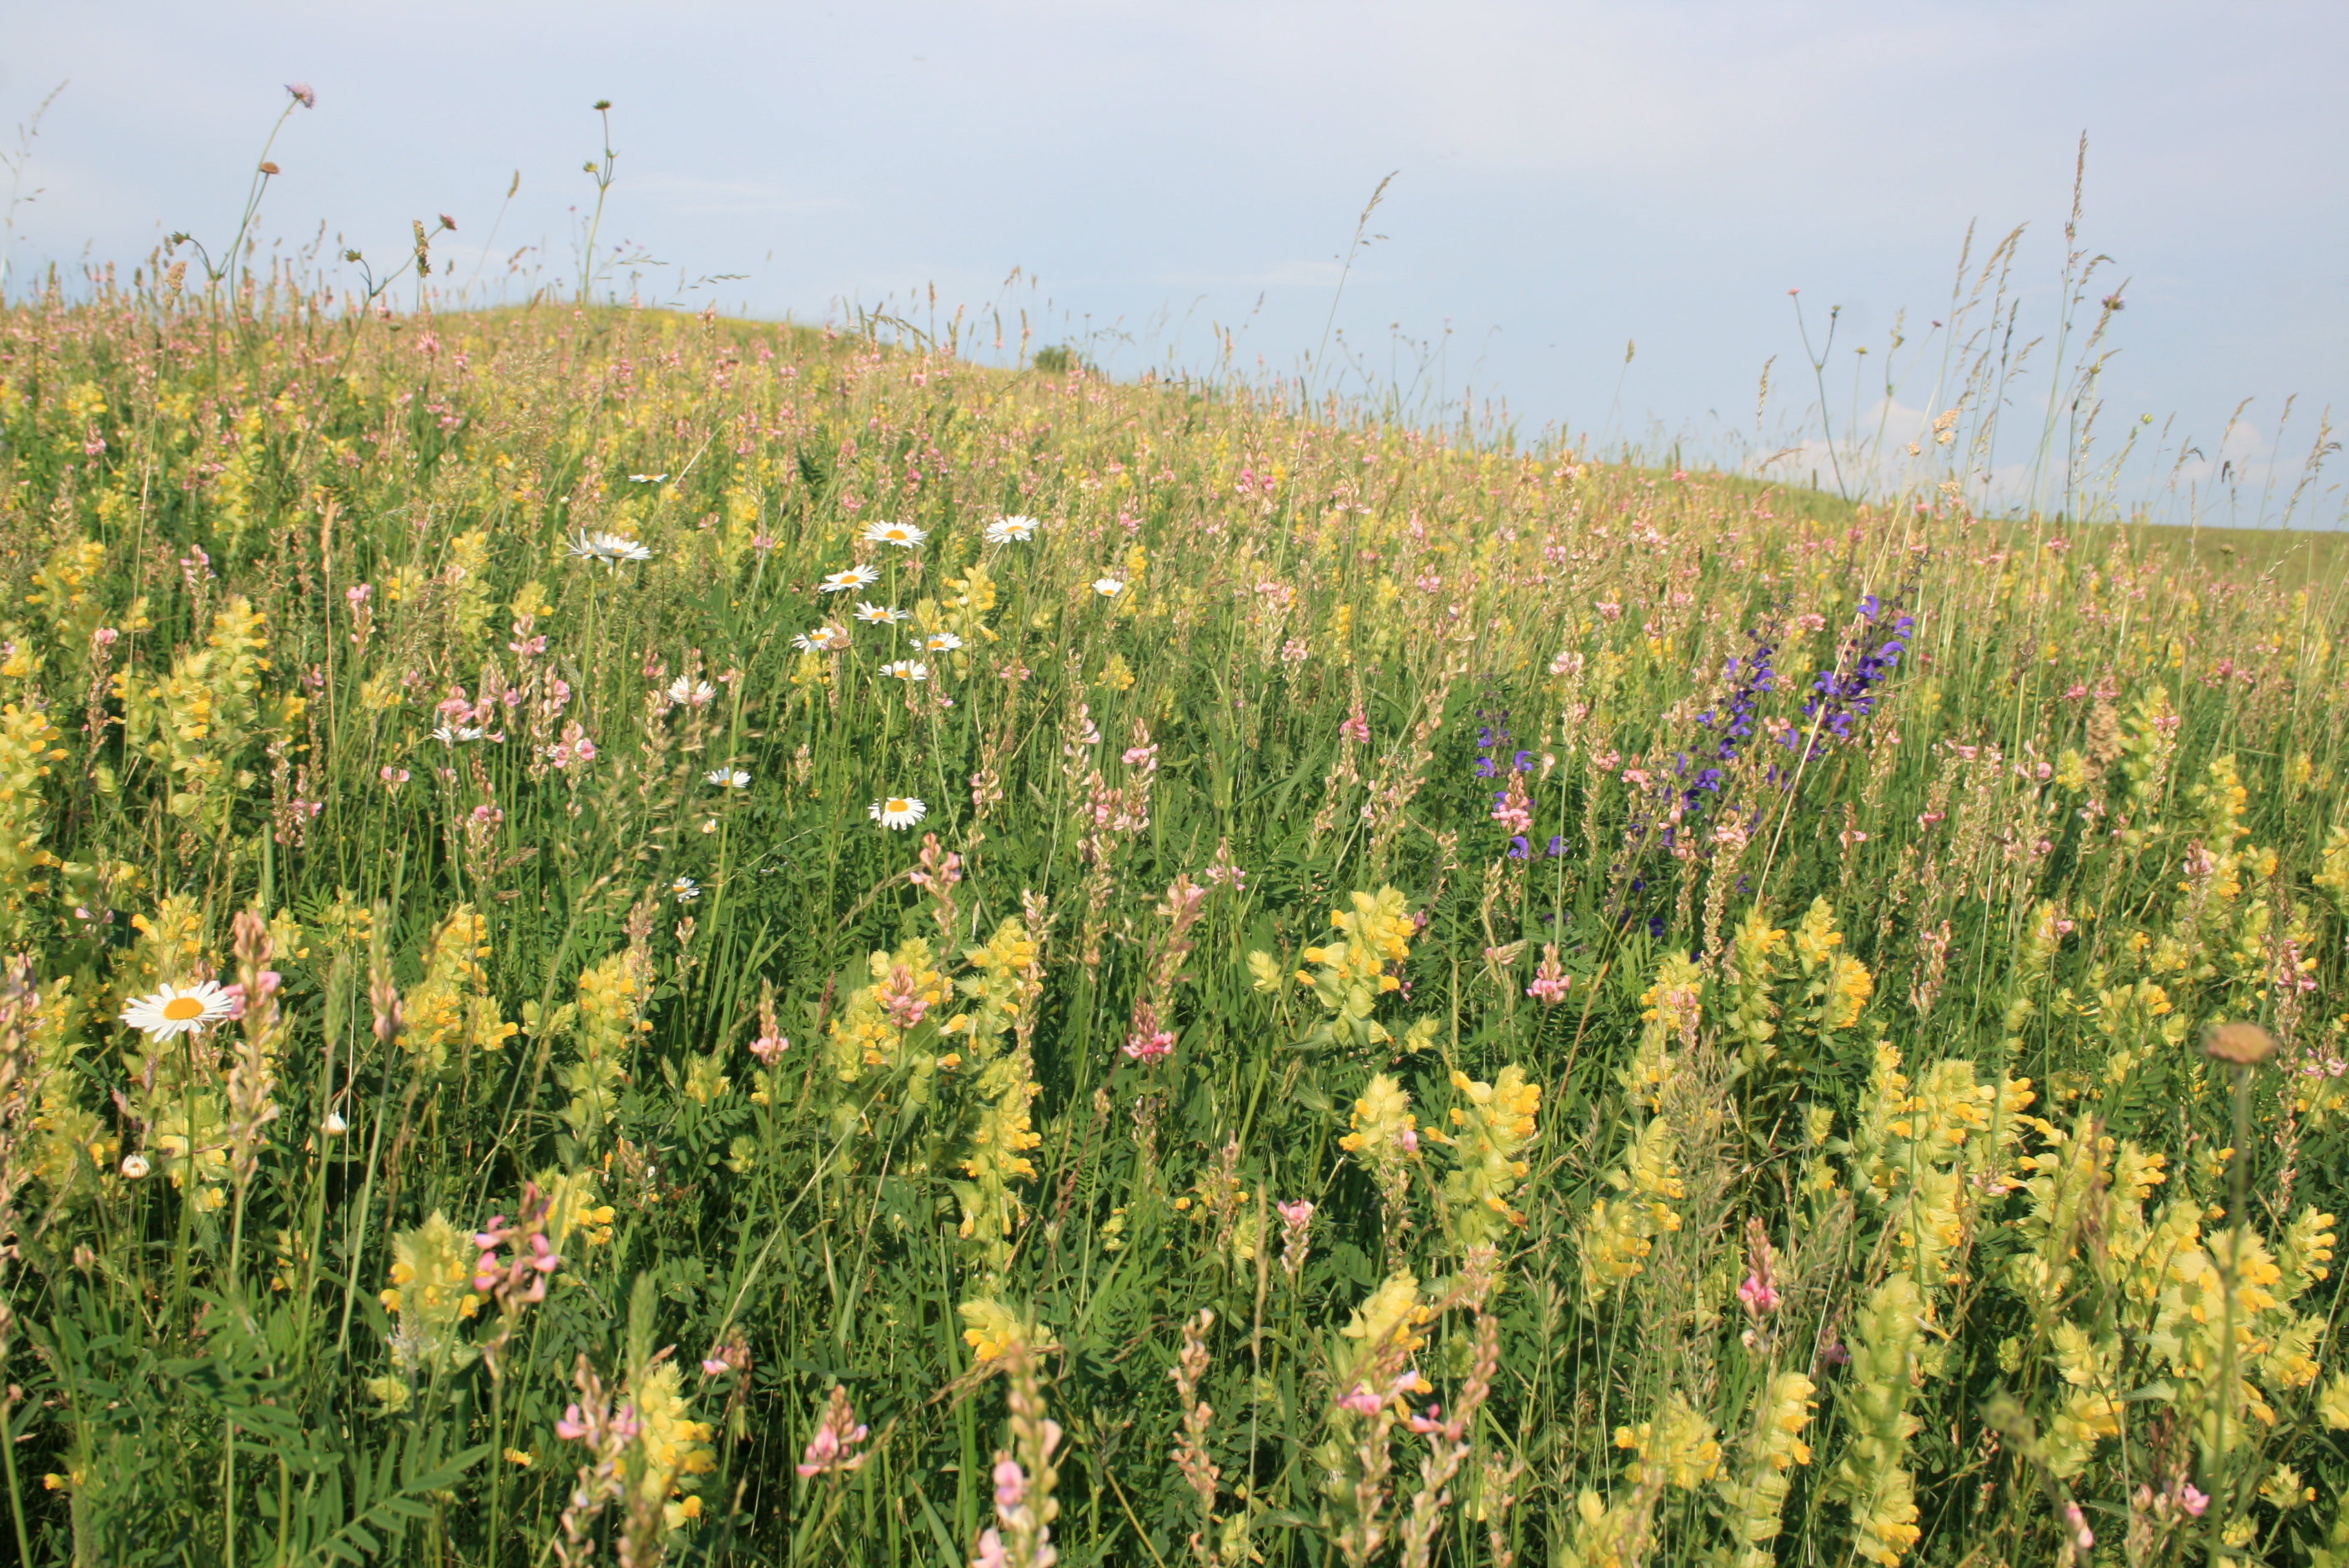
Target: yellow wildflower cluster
point(873, 1029)
point(1670, 1010)
point(452, 1009)
point(28, 748)
point(1872, 1478)
point(1496, 1122)
point(430, 1294)
point(1382, 1133)
point(2333, 873)
point(992, 1327)
point(1619, 1232)
point(1386, 1326)
point(676, 1448)
point(1679, 1450)
point(63, 590)
point(1836, 986)
point(2273, 1346)
point(1930, 1151)
point(2089, 1412)
point(609, 1016)
point(195, 722)
point(72, 1143)
point(1757, 955)
point(572, 1208)
point(1349, 975)
point(1756, 1498)
point(1610, 1535)
point(998, 1155)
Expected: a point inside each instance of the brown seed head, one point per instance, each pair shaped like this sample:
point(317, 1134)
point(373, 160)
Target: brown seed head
point(2245, 1045)
point(269, 168)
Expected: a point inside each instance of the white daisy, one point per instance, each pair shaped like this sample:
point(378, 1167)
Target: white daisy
point(1008, 530)
point(824, 639)
point(173, 1010)
point(1108, 587)
point(903, 535)
point(941, 642)
point(683, 690)
point(897, 811)
point(134, 1166)
point(685, 890)
point(458, 736)
point(881, 615)
point(728, 778)
point(609, 548)
point(844, 582)
point(647, 479)
point(907, 669)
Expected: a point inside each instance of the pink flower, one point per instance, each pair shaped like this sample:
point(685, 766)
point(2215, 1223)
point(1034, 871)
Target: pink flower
point(712, 1365)
point(1758, 1295)
point(768, 1049)
point(1357, 728)
point(2191, 1500)
point(1550, 981)
point(1361, 1399)
point(822, 1449)
point(991, 1551)
point(1409, 1140)
point(1010, 1483)
point(1299, 1213)
point(1150, 1047)
point(1431, 1422)
point(571, 1427)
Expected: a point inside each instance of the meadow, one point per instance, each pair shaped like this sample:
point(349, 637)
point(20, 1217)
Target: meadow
point(643, 938)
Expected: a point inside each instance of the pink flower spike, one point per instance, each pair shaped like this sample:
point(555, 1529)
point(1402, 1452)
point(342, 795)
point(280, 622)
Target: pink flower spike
point(822, 1449)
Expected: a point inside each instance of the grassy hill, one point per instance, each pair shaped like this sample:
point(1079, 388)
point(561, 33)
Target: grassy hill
point(729, 943)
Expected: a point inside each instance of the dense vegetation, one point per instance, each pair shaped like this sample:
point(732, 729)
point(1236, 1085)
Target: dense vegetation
point(1430, 1002)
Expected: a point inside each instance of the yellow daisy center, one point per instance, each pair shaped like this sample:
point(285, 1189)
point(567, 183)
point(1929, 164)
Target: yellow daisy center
point(899, 805)
point(180, 1009)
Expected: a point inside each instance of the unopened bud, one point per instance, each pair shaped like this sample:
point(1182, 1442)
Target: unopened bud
point(2245, 1045)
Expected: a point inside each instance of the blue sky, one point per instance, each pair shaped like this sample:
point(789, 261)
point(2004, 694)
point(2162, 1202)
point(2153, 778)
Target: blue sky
point(1568, 177)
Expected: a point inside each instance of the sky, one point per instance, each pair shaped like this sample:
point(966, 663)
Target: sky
point(1595, 214)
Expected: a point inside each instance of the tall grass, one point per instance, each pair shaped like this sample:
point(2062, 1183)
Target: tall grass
point(1446, 1004)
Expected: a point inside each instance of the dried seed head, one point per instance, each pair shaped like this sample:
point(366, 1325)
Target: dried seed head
point(2245, 1045)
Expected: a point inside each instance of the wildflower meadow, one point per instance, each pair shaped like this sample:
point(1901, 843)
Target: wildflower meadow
point(643, 938)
